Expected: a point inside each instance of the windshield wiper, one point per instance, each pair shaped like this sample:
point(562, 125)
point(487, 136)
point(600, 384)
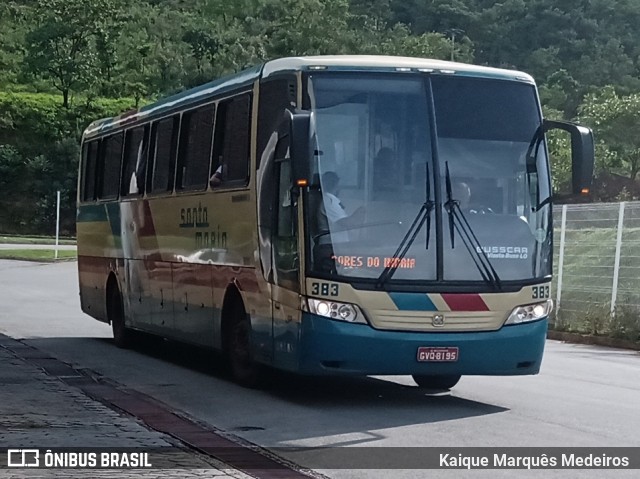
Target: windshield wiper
point(423, 215)
point(459, 222)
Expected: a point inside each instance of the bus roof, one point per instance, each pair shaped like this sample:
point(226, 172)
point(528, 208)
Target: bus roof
point(387, 63)
point(326, 63)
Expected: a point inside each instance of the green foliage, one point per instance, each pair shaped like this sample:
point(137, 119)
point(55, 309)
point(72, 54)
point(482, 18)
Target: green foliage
point(625, 323)
point(70, 40)
point(616, 120)
point(584, 55)
point(39, 152)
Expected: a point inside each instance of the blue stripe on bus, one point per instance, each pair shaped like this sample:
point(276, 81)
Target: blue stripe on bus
point(106, 212)
point(113, 213)
point(412, 302)
point(91, 214)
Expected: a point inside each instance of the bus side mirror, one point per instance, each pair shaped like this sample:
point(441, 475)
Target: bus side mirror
point(301, 133)
point(582, 154)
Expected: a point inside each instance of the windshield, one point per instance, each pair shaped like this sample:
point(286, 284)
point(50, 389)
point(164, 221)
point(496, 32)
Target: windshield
point(383, 142)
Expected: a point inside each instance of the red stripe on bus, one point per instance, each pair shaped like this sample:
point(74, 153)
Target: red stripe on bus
point(465, 302)
point(182, 274)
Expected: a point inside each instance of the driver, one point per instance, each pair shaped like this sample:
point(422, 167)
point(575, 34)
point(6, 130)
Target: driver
point(461, 192)
point(332, 216)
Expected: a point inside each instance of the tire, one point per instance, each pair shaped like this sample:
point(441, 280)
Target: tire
point(436, 382)
point(121, 334)
point(244, 370)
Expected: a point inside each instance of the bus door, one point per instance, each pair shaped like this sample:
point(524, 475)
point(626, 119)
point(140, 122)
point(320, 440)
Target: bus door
point(285, 298)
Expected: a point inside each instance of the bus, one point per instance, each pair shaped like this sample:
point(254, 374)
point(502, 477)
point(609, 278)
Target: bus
point(331, 215)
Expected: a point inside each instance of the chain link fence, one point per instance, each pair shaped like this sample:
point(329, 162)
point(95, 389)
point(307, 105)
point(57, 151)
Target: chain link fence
point(597, 269)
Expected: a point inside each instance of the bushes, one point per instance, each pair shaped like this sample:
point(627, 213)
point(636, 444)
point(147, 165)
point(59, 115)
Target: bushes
point(597, 320)
point(39, 152)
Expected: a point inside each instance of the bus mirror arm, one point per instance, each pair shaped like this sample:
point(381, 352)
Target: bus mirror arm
point(582, 154)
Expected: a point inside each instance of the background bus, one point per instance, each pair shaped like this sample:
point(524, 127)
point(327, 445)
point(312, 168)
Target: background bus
point(330, 215)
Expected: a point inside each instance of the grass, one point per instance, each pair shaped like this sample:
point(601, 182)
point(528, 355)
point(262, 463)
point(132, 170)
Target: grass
point(35, 240)
point(44, 255)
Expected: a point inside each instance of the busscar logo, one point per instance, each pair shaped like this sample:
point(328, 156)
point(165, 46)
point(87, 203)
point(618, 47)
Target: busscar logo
point(23, 458)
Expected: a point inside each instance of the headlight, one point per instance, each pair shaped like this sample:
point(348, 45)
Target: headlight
point(335, 310)
point(530, 312)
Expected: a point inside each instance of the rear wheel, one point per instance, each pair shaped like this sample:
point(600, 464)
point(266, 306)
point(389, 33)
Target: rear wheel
point(436, 382)
point(121, 334)
point(244, 369)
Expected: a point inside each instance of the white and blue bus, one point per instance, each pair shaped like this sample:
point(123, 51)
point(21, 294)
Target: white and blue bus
point(334, 215)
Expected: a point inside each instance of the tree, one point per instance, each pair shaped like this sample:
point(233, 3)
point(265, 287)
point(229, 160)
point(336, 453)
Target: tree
point(61, 47)
point(616, 122)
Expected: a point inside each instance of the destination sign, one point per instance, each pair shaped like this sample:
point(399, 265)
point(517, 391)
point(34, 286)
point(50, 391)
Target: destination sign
point(374, 262)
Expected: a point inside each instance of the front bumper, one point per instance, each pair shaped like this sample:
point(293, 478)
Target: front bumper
point(335, 347)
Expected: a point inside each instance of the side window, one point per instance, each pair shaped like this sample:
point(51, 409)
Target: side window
point(136, 151)
point(89, 170)
point(194, 157)
point(231, 143)
point(275, 97)
point(164, 139)
point(110, 160)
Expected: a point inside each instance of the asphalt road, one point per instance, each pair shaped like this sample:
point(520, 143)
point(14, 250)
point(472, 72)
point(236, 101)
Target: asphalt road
point(585, 396)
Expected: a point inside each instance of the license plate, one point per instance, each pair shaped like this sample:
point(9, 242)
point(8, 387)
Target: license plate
point(437, 355)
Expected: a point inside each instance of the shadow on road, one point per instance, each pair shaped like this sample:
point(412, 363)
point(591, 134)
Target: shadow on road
point(350, 407)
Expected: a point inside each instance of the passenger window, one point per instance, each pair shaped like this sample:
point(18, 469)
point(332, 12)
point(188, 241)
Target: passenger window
point(90, 161)
point(276, 96)
point(164, 139)
point(110, 160)
point(136, 151)
point(196, 135)
point(231, 143)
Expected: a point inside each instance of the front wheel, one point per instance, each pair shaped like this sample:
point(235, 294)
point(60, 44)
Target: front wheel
point(244, 369)
point(436, 382)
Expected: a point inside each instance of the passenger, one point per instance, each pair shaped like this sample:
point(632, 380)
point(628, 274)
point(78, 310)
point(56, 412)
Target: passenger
point(461, 192)
point(216, 178)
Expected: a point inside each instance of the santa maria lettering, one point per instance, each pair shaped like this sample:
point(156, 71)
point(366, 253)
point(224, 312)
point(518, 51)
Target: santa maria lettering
point(196, 217)
point(205, 235)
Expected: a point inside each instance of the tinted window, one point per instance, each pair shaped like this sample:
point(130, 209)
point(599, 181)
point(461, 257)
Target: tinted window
point(165, 134)
point(90, 160)
point(196, 135)
point(136, 152)
point(111, 160)
point(233, 131)
point(275, 97)
point(471, 108)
